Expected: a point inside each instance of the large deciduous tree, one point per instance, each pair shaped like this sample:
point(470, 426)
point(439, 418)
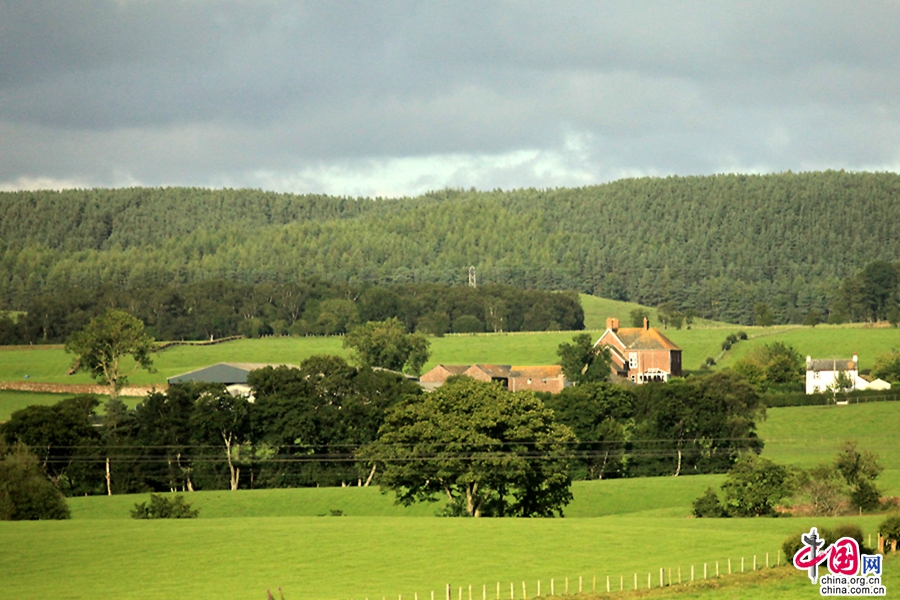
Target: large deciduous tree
point(221, 419)
point(699, 425)
point(62, 438)
point(101, 347)
point(25, 491)
point(582, 362)
point(489, 451)
point(386, 344)
point(600, 414)
point(313, 419)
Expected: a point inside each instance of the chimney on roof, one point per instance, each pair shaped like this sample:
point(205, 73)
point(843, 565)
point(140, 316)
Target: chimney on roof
point(646, 324)
point(808, 359)
point(855, 360)
point(612, 324)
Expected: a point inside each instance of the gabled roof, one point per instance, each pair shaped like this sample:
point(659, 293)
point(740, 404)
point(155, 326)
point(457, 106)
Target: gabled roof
point(227, 373)
point(831, 364)
point(638, 338)
point(498, 371)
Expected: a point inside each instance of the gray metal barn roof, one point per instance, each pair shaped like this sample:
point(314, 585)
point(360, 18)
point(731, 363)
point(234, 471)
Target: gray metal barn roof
point(227, 373)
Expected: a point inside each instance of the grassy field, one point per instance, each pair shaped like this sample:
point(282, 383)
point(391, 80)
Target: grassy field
point(596, 311)
point(824, 341)
point(248, 541)
point(807, 435)
point(52, 364)
point(311, 557)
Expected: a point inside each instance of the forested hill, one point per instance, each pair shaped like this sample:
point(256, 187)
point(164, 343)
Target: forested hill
point(715, 244)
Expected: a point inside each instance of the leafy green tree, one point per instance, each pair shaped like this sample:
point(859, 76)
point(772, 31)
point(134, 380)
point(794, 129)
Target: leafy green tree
point(601, 415)
point(222, 419)
point(162, 423)
point(489, 451)
point(755, 485)
point(762, 315)
point(887, 366)
point(709, 506)
point(63, 439)
point(582, 362)
point(777, 365)
point(813, 317)
point(699, 425)
point(25, 491)
point(842, 383)
point(102, 345)
point(386, 344)
point(323, 411)
point(638, 315)
point(859, 470)
point(824, 488)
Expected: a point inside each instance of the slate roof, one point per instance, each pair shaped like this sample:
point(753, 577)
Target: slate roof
point(831, 364)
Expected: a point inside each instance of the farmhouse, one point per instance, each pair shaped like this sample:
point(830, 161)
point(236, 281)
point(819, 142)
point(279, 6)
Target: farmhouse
point(548, 378)
point(233, 375)
point(640, 354)
point(838, 374)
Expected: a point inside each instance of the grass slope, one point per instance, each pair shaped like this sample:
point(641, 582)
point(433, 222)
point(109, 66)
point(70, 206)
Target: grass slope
point(365, 557)
point(596, 311)
point(807, 435)
point(823, 341)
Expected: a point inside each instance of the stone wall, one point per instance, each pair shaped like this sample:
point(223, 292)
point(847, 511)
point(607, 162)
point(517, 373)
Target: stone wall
point(71, 388)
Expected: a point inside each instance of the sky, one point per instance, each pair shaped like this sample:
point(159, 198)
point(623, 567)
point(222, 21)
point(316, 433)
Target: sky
point(396, 98)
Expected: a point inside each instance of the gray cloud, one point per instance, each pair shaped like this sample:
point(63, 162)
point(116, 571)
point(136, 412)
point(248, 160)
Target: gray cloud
point(362, 97)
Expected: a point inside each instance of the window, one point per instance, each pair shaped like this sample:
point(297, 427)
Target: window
point(632, 360)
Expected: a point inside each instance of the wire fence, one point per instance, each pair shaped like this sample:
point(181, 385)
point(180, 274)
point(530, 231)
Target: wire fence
point(611, 583)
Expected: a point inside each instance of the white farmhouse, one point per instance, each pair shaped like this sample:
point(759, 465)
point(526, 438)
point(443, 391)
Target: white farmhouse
point(821, 374)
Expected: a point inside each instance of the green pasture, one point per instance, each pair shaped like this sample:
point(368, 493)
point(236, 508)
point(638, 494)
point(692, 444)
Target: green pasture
point(51, 364)
point(823, 341)
point(347, 557)
point(596, 310)
point(649, 497)
point(807, 435)
point(251, 540)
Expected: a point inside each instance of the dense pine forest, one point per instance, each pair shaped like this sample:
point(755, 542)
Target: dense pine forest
point(718, 245)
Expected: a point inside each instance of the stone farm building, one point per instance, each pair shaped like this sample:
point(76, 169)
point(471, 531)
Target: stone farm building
point(548, 378)
point(640, 354)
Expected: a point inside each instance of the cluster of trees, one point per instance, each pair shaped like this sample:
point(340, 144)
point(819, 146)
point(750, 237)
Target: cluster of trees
point(302, 430)
point(737, 248)
point(756, 486)
point(487, 450)
point(216, 309)
point(873, 294)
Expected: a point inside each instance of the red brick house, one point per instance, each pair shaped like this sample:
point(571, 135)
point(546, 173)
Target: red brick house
point(547, 378)
point(640, 354)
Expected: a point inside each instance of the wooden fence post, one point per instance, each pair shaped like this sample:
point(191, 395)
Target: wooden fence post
point(692, 572)
point(704, 570)
point(729, 566)
point(448, 591)
point(754, 562)
point(607, 584)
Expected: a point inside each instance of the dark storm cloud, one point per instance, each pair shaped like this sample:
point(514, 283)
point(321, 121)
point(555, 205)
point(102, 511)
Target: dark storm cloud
point(512, 93)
